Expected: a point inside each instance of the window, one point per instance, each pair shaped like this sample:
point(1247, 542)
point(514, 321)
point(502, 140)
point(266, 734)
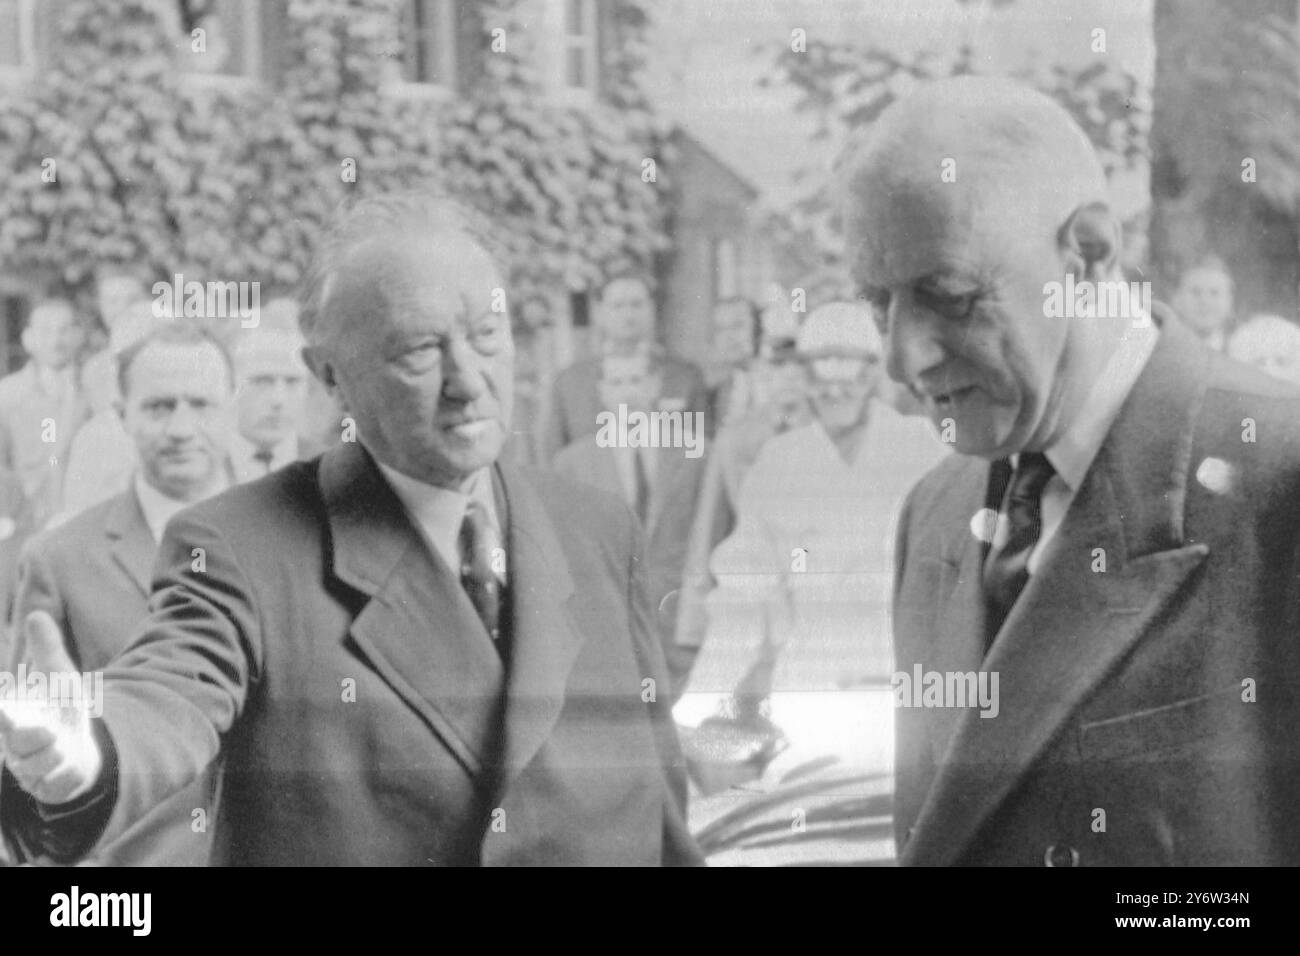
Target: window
point(429, 42)
point(230, 44)
point(581, 63)
point(17, 36)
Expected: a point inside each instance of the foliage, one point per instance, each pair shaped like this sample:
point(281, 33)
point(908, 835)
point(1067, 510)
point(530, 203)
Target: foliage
point(229, 180)
point(846, 86)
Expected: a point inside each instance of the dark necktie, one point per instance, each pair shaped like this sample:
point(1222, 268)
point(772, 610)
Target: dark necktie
point(479, 542)
point(1006, 569)
point(640, 486)
point(263, 457)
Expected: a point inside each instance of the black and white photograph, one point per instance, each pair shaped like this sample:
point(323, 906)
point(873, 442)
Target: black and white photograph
point(591, 433)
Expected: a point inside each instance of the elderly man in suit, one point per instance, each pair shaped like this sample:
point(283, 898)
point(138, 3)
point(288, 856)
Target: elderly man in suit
point(660, 484)
point(91, 574)
point(406, 652)
point(1096, 601)
point(625, 319)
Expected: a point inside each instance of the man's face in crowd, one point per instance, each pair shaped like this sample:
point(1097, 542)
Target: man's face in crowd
point(959, 302)
point(1204, 301)
point(420, 359)
point(733, 333)
point(272, 387)
point(177, 411)
point(115, 294)
point(627, 381)
point(839, 387)
point(627, 312)
point(53, 336)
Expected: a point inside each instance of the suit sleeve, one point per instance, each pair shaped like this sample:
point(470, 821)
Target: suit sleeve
point(180, 685)
point(679, 847)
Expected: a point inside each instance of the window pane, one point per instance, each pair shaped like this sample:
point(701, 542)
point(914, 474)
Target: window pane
point(10, 35)
point(577, 68)
point(575, 18)
point(427, 41)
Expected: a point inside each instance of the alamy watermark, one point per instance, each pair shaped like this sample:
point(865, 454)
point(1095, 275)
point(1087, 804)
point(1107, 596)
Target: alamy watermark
point(55, 689)
point(211, 300)
point(658, 429)
point(1107, 299)
point(922, 688)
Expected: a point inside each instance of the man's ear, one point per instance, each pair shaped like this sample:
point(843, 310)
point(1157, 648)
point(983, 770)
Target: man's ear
point(320, 365)
point(1090, 240)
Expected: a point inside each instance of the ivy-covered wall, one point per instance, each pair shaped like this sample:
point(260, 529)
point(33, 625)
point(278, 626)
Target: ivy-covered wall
point(112, 155)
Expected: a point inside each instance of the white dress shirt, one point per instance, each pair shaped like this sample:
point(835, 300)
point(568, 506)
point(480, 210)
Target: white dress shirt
point(438, 513)
point(1073, 453)
point(159, 508)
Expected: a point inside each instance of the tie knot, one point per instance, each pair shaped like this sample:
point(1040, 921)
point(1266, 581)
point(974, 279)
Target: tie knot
point(1033, 472)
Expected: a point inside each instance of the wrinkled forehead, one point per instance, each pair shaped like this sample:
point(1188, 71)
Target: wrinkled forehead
point(902, 230)
point(413, 282)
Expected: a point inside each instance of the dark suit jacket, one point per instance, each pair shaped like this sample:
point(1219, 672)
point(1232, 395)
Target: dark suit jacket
point(671, 509)
point(575, 401)
point(1122, 735)
point(301, 625)
point(91, 574)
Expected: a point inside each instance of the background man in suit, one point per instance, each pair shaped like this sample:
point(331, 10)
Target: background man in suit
point(660, 485)
point(405, 652)
point(1203, 300)
point(41, 406)
point(1117, 542)
point(625, 320)
point(269, 400)
point(91, 574)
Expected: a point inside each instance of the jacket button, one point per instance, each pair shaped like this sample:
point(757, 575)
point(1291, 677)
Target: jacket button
point(1059, 854)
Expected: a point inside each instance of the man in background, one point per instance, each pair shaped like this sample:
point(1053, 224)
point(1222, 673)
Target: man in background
point(660, 485)
point(41, 406)
point(625, 322)
point(269, 400)
point(1203, 300)
point(92, 573)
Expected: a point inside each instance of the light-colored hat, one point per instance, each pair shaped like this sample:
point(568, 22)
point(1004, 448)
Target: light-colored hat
point(839, 328)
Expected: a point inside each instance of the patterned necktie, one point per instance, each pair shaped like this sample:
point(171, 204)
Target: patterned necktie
point(479, 543)
point(1006, 570)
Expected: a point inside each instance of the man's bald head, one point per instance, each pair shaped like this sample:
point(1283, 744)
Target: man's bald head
point(980, 151)
point(967, 202)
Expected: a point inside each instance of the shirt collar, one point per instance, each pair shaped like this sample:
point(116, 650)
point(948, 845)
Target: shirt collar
point(159, 508)
point(243, 450)
point(1072, 454)
point(439, 512)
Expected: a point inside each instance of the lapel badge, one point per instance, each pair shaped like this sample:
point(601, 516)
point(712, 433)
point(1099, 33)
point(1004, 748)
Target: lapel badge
point(983, 523)
point(1216, 476)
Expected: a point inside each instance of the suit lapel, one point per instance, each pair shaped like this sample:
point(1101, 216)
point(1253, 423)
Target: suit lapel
point(129, 539)
point(418, 629)
point(1073, 624)
point(545, 641)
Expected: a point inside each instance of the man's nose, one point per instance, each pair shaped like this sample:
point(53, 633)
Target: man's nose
point(182, 422)
point(463, 377)
point(912, 345)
